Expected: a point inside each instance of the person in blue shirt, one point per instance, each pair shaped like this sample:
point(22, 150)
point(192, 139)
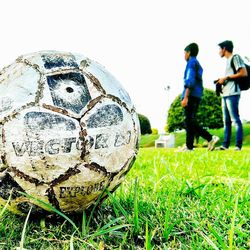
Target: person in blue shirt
point(191, 97)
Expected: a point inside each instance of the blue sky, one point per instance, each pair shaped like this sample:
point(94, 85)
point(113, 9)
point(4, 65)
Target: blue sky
point(140, 42)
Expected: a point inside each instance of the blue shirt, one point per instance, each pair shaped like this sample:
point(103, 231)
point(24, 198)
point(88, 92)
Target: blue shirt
point(193, 78)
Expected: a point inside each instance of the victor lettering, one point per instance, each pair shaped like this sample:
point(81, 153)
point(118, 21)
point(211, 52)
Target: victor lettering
point(39, 147)
point(65, 145)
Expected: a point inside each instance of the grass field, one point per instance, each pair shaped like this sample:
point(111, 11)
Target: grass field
point(169, 200)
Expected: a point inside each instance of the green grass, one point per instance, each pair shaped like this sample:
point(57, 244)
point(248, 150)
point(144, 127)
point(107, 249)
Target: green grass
point(149, 140)
point(169, 200)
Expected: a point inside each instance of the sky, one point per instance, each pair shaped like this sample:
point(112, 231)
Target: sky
point(140, 42)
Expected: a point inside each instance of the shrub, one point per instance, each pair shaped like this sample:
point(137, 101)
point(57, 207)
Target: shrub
point(144, 124)
point(209, 114)
point(154, 131)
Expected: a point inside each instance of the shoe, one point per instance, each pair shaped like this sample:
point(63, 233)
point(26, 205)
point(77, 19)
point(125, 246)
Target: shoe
point(221, 148)
point(237, 149)
point(184, 149)
point(211, 144)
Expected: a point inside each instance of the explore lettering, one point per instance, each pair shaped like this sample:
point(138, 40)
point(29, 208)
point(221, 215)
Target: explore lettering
point(70, 192)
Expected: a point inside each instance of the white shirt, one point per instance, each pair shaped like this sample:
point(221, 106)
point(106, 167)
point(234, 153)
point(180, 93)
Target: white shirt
point(229, 88)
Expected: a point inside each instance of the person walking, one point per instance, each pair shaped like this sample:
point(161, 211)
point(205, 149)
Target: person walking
point(231, 94)
point(191, 97)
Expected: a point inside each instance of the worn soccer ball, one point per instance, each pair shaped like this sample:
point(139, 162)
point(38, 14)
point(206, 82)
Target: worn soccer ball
point(68, 132)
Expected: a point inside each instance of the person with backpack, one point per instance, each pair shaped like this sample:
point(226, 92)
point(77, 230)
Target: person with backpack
point(190, 100)
point(235, 69)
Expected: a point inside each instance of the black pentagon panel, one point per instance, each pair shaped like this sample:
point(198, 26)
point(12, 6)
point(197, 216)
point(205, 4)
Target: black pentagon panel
point(55, 61)
point(44, 121)
point(105, 116)
point(9, 186)
point(69, 91)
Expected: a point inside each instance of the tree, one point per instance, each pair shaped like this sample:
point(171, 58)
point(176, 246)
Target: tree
point(209, 114)
point(144, 124)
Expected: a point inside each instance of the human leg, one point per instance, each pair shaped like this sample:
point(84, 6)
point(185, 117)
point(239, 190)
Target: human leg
point(198, 130)
point(202, 132)
point(189, 129)
point(233, 109)
point(227, 122)
point(189, 122)
point(192, 127)
point(212, 143)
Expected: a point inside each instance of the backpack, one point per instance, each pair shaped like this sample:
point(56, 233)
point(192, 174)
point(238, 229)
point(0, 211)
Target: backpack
point(243, 82)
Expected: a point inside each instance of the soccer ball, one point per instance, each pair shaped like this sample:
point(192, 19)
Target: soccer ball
point(68, 131)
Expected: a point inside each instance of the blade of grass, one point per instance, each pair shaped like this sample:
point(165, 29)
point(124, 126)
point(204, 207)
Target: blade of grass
point(167, 226)
point(118, 204)
point(96, 204)
point(24, 230)
point(208, 240)
point(147, 238)
point(71, 244)
point(108, 230)
point(217, 236)
point(136, 210)
point(231, 232)
point(6, 204)
point(50, 207)
point(84, 223)
point(111, 222)
point(105, 229)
